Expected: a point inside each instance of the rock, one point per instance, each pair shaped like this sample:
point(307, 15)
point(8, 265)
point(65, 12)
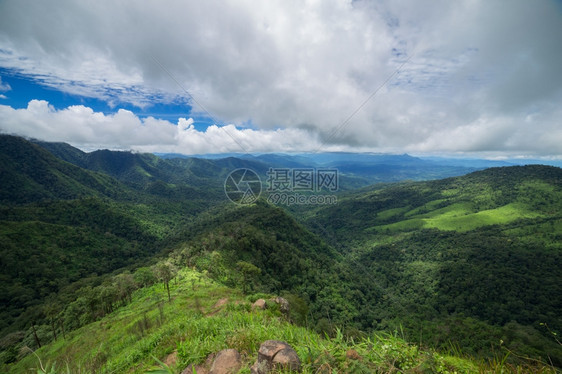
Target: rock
point(171, 359)
point(259, 304)
point(254, 368)
point(227, 361)
point(352, 354)
point(287, 358)
point(283, 304)
point(275, 354)
point(269, 349)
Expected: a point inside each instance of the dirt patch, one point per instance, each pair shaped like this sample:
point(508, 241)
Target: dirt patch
point(171, 359)
point(222, 302)
point(217, 307)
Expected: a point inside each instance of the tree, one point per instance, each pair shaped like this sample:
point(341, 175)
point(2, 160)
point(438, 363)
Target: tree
point(165, 272)
point(52, 310)
point(37, 341)
point(125, 286)
point(249, 273)
point(144, 277)
point(108, 294)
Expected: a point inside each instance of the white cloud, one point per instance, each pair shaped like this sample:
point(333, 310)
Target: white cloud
point(485, 75)
point(81, 126)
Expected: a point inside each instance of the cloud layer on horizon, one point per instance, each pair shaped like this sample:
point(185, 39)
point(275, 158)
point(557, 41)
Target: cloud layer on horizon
point(483, 76)
point(126, 131)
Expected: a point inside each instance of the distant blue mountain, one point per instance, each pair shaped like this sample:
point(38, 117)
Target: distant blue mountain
point(355, 169)
point(467, 162)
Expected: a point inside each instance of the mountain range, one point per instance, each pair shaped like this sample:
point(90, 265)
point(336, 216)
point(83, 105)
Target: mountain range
point(450, 255)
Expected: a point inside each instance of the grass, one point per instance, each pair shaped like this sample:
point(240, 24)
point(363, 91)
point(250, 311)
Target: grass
point(467, 206)
point(129, 336)
point(459, 217)
point(134, 338)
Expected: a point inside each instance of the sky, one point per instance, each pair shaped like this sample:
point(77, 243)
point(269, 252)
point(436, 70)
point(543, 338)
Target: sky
point(475, 78)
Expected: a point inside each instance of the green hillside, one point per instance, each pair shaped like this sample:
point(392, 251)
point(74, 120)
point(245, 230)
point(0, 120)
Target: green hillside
point(204, 317)
point(46, 247)
point(479, 252)
point(61, 224)
point(493, 196)
point(145, 171)
point(29, 173)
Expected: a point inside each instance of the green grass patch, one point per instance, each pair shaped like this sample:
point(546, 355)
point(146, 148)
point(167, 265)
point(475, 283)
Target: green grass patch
point(460, 220)
point(461, 217)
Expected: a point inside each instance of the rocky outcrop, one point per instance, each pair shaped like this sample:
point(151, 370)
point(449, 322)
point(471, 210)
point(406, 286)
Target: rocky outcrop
point(275, 354)
point(283, 304)
point(272, 355)
point(227, 361)
point(259, 304)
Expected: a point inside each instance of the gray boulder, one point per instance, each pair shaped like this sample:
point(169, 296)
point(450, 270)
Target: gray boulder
point(283, 304)
point(275, 354)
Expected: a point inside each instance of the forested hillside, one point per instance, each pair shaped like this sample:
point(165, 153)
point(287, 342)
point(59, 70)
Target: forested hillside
point(29, 173)
point(472, 260)
point(61, 223)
